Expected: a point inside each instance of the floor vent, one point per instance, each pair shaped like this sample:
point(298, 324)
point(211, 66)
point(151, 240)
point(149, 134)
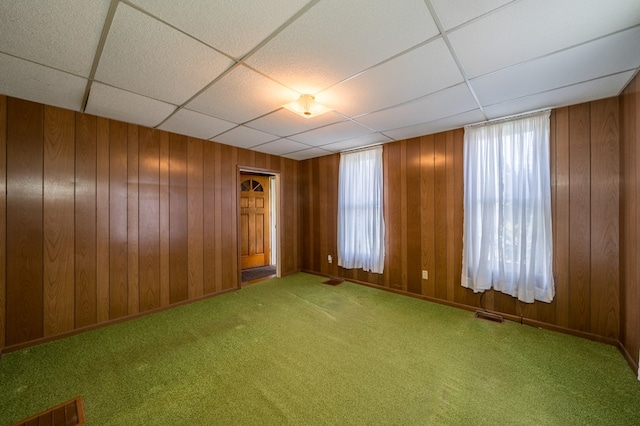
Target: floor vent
point(489, 316)
point(68, 413)
point(333, 281)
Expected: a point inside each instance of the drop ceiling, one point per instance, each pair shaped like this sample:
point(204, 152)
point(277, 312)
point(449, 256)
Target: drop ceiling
point(390, 70)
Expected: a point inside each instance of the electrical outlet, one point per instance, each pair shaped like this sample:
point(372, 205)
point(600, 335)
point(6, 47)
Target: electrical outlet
point(329, 259)
point(425, 275)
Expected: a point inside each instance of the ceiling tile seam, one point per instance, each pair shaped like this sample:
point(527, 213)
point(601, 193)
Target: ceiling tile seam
point(356, 117)
point(375, 132)
point(278, 30)
point(301, 143)
point(96, 58)
point(637, 71)
point(389, 59)
point(445, 37)
point(43, 65)
point(484, 15)
point(555, 52)
point(426, 122)
point(563, 87)
point(307, 149)
point(162, 21)
point(198, 93)
point(275, 137)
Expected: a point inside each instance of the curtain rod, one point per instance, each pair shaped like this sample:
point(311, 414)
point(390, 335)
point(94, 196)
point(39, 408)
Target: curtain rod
point(361, 148)
point(508, 118)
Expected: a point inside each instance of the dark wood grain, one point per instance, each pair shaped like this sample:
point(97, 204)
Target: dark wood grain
point(133, 271)
point(560, 210)
point(393, 221)
point(209, 222)
point(427, 212)
point(217, 199)
point(450, 214)
point(413, 229)
point(195, 217)
point(85, 221)
point(630, 220)
point(149, 219)
point(165, 247)
point(3, 219)
point(25, 132)
point(102, 219)
point(605, 260)
point(579, 217)
point(58, 223)
point(118, 238)
point(178, 224)
point(441, 221)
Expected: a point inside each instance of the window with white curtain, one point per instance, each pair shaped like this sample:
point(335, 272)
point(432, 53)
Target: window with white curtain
point(360, 211)
point(507, 243)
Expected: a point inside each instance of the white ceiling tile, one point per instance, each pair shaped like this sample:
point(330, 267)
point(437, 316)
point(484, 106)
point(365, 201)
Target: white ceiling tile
point(33, 82)
point(419, 72)
point(244, 137)
point(62, 34)
point(242, 95)
point(250, 21)
point(280, 147)
point(584, 92)
point(361, 141)
point(331, 133)
point(530, 28)
point(445, 103)
point(144, 56)
point(110, 102)
point(336, 39)
point(615, 53)
point(284, 122)
point(437, 126)
point(456, 12)
point(194, 124)
point(307, 153)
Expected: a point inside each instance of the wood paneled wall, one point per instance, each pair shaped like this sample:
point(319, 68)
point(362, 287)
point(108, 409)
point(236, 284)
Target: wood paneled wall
point(630, 220)
point(106, 219)
point(423, 216)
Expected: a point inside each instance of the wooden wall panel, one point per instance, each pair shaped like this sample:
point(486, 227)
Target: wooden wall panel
point(413, 230)
point(149, 219)
point(58, 220)
point(3, 219)
point(102, 219)
point(25, 132)
point(106, 219)
point(195, 217)
point(118, 213)
point(605, 212)
point(630, 221)
point(427, 213)
point(133, 273)
point(85, 221)
point(584, 217)
point(209, 222)
point(178, 225)
point(165, 276)
point(579, 217)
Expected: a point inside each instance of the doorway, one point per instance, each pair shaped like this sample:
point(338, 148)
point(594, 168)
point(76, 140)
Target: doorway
point(257, 225)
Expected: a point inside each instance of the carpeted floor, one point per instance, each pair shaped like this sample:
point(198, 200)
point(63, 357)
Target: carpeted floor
point(295, 351)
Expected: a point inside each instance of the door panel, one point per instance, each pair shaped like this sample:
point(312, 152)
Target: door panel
point(254, 221)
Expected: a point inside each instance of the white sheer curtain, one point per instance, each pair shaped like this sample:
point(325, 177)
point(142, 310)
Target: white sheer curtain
point(360, 215)
point(507, 241)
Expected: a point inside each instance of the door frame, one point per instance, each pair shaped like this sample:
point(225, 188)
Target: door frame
point(274, 210)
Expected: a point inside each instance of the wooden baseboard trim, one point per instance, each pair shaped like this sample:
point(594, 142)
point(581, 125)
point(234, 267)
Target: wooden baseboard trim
point(514, 318)
point(23, 345)
point(632, 362)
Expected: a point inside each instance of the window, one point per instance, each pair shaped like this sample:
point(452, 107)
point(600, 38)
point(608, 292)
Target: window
point(360, 215)
point(507, 241)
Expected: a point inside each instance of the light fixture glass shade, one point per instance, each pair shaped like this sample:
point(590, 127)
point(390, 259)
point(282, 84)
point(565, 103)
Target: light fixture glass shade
point(307, 107)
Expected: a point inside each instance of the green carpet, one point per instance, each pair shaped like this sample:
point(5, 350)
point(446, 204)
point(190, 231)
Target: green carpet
point(294, 351)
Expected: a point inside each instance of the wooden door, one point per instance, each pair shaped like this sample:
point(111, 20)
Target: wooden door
point(255, 221)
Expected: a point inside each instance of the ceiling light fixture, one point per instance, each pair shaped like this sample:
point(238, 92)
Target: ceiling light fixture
point(307, 107)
